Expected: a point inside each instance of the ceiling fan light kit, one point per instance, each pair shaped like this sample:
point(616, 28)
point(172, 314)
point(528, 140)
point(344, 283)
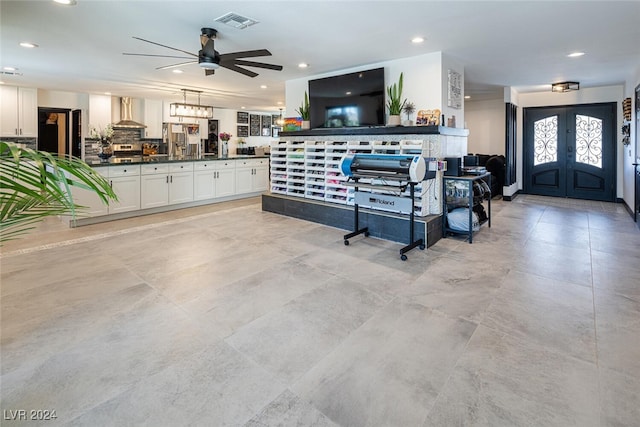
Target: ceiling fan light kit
point(565, 87)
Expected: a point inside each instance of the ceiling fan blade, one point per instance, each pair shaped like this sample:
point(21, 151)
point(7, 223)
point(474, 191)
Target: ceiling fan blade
point(168, 47)
point(245, 54)
point(258, 65)
point(165, 67)
point(209, 72)
point(157, 56)
point(237, 69)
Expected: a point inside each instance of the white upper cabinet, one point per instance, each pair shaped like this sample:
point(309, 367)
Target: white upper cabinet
point(19, 109)
point(153, 118)
point(99, 112)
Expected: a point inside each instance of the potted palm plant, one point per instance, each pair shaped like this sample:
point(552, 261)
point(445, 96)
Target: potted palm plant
point(304, 112)
point(36, 184)
point(395, 103)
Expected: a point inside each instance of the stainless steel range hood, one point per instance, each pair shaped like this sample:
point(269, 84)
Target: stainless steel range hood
point(126, 117)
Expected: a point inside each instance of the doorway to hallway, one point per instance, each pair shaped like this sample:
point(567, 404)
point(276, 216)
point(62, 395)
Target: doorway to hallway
point(570, 151)
point(59, 131)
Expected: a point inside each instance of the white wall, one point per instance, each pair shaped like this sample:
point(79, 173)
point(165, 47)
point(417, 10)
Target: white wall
point(449, 63)
point(227, 122)
point(486, 123)
point(424, 76)
point(582, 96)
point(59, 99)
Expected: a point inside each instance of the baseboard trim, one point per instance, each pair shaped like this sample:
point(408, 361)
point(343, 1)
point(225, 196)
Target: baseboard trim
point(511, 197)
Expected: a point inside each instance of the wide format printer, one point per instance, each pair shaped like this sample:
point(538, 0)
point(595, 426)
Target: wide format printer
point(390, 166)
point(409, 170)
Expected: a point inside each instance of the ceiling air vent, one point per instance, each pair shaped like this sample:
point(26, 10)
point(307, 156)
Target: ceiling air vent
point(236, 21)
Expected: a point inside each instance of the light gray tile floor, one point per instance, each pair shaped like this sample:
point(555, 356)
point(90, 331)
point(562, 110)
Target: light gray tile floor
point(227, 315)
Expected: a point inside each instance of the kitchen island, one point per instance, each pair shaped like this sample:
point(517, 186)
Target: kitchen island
point(151, 184)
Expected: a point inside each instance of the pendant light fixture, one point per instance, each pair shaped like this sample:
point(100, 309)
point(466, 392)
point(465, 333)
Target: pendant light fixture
point(198, 111)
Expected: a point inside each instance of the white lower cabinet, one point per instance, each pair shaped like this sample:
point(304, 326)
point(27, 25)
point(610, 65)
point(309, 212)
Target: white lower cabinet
point(162, 184)
point(166, 184)
point(154, 186)
point(252, 175)
point(125, 181)
point(214, 179)
point(93, 206)
point(180, 182)
point(204, 175)
point(226, 178)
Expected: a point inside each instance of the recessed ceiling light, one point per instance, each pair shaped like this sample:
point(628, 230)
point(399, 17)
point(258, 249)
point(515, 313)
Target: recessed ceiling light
point(303, 65)
point(66, 2)
point(9, 68)
point(178, 71)
point(575, 54)
point(263, 86)
point(467, 97)
point(243, 107)
point(279, 102)
point(417, 40)
point(1, 82)
point(348, 93)
point(107, 93)
point(28, 44)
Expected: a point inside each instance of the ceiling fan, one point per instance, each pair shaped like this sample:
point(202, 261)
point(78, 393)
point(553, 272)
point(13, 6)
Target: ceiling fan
point(210, 59)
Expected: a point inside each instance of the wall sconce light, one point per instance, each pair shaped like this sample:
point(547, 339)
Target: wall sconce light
point(182, 109)
point(565, 86)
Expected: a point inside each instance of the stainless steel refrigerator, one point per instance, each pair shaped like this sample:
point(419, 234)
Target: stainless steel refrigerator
point(182, 139)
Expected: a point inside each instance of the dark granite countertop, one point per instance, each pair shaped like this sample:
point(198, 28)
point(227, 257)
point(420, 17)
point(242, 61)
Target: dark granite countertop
point(142, 160)
point(379, 130)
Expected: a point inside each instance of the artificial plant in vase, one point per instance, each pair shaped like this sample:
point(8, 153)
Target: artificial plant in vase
point(409, 109)
point(225, 137)
point(304, 112)
point(37, 184)
point(395, 103)
point(104, 135)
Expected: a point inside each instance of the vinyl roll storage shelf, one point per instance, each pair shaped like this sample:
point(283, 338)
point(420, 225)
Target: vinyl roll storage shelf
point(310, 169)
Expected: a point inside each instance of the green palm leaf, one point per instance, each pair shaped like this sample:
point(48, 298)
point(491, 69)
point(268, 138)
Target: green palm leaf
point(36, 184)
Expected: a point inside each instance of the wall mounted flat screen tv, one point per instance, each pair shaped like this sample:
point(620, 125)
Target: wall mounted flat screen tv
point(347, 100)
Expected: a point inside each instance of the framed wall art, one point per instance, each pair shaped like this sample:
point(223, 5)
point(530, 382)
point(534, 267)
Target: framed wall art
point(254, 125)
point(454, 90)
point(243, 118)
point(243, 131)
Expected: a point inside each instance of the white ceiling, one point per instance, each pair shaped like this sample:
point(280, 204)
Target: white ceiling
point(503, 43)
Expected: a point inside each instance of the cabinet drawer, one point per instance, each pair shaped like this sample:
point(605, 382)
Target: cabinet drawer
point(115, 171)
point(203, 166)
point(251, 163)
point(181, 167)
point(226, 164)
point(155, 169)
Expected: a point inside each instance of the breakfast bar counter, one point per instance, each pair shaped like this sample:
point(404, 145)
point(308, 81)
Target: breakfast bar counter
point(151, 184)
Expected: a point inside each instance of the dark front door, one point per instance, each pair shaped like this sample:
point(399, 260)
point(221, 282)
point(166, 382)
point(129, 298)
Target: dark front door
point(570, 151)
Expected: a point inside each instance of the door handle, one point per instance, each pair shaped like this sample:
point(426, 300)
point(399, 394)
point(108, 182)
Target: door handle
point(570, 149)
